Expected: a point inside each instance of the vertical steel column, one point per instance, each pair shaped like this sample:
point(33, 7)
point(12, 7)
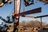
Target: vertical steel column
point(16, 11)
point(41, 22)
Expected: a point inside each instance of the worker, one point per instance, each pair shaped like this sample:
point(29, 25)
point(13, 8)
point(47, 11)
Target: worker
point(15, 23)
point(13, 16)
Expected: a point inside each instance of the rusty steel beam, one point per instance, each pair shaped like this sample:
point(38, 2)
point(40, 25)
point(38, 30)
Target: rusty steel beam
point(37, 10)
point(17, 4)
point(28, 16)
point(34, 16)
point(41, 16)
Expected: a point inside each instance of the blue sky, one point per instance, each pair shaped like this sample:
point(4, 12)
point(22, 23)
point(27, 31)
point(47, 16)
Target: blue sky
point(7, 8)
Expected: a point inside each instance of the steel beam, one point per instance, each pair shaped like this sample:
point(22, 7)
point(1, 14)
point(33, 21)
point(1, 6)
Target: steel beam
point(37, 10)
point(41, 16)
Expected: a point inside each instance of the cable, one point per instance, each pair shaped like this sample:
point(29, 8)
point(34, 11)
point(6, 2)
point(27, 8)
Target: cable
point(23, 7)
point(11, 12)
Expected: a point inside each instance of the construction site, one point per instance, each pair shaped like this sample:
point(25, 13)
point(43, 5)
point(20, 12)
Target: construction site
point(23, 15)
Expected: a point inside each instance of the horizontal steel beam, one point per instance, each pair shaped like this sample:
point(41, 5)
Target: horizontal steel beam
point(34, 16)
point(37, 10)
point(41, 16)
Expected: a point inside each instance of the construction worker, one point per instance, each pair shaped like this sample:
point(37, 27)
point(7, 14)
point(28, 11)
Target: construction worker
point(13, 17)
point(15, 23)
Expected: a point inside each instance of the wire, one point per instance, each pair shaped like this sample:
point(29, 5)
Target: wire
point(11, 12)
point(23, 7)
